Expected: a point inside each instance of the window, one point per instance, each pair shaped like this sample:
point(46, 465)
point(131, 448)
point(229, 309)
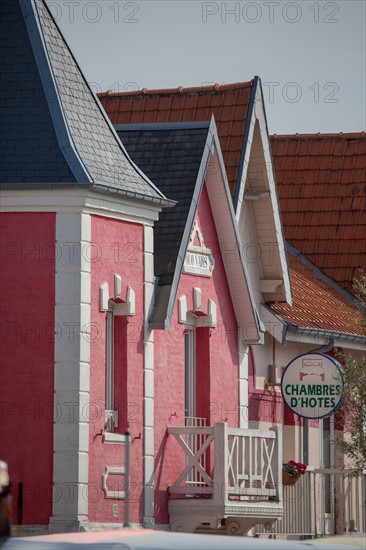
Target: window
point(190, 373)
point(110, 413)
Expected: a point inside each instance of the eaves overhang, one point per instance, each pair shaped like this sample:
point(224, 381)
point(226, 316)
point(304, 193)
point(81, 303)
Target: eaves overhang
point(285, 332)
point(97, 187)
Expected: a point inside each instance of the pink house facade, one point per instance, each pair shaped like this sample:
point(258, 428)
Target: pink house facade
point(121, 310)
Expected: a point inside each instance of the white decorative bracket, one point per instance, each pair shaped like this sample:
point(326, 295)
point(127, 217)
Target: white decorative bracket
point(208, 319)
point(110, 493)
point(182, 309)
point(117, 286)
point(197, 299)
point(103, 297)
point(119, 306)
point(129, 307)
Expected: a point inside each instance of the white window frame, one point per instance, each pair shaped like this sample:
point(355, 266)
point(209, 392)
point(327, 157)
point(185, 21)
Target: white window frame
point(111, 419)
point(190, 383)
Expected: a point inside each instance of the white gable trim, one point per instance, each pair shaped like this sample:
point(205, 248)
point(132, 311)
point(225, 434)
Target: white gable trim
point(231, 250)
point(266, 194)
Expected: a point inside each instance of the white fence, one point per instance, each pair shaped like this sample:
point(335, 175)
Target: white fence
point(323, 502)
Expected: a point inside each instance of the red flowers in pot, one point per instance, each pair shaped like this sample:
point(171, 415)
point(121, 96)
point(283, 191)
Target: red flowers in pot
point(291, 472)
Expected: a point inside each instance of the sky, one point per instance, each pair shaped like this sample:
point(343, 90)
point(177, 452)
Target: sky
point(310, 55)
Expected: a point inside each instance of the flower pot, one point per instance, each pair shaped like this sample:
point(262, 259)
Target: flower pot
point(288, 479)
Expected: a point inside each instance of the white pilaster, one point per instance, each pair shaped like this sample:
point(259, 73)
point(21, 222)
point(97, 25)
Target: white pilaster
point(243, 383)
point(72, 373)
point(148, 379)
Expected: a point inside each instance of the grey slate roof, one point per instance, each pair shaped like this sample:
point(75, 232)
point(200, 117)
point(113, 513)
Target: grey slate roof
point(29, 147)
point(55, 129)
point(170, 154)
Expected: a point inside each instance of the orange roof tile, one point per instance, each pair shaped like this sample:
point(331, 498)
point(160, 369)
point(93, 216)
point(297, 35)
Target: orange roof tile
point(331, 168)
point(320, 177)
point(228, 102)
point(317, 304)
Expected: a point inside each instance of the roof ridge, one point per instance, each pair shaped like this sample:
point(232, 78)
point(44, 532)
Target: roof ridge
point(344, 135)
point(181, 90)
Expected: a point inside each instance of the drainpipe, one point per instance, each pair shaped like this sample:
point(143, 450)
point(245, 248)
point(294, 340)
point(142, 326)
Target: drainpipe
point(325, 348)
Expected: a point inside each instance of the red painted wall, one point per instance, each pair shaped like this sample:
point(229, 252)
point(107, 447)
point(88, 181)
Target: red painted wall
point(27, 302)
point(217, 350)
point(119, 250)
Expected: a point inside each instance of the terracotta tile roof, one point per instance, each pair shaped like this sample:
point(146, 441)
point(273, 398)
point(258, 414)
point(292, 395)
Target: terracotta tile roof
point(320, 177)
point(317, 303)
point(229, 103)
point(321, 181)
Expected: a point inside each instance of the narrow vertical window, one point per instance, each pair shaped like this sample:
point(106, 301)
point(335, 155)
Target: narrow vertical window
point(109, 372)
point(190, 373)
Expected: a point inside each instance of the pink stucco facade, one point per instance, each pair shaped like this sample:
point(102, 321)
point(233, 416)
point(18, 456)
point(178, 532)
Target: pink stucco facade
point(27, 298)
point(216, 360)
point(27, 385)
point(121, 248)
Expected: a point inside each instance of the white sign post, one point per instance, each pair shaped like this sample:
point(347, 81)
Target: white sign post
point(312, 385)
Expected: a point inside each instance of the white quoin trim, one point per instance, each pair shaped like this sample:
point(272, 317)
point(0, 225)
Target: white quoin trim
point(149, 517)
point(72, 374)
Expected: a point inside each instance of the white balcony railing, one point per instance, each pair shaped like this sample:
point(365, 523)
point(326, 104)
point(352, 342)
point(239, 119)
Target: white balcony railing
point(227, 464)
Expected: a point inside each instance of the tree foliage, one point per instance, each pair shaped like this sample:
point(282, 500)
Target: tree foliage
point(352, 443)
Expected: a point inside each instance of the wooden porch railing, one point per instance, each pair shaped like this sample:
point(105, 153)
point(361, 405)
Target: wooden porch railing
point(225, 463)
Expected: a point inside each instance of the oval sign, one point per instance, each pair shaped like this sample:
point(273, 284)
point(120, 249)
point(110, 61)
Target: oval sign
point(312, 385)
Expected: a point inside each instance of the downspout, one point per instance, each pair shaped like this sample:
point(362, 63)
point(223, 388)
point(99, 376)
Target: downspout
point(325, 348)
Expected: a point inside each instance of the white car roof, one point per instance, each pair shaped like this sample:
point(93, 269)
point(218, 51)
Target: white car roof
point(145, 539)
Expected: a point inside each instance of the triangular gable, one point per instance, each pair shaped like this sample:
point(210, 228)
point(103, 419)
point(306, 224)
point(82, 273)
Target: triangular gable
point(86, 140)
point(229, 103)
point(236, 107)
point(171, 155)
point(256, 202)
point(210, 171)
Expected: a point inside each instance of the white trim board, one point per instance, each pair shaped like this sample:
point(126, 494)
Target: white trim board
point(76, 200)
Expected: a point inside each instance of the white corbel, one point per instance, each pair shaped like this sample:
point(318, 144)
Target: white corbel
point(103, 297)
point(117, 286)
point(182, 309)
